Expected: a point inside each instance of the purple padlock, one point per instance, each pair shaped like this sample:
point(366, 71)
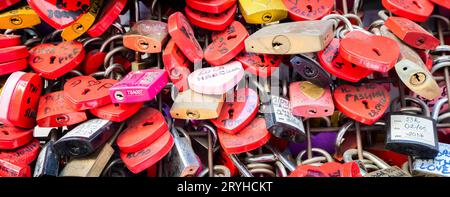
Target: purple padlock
point(139, 86)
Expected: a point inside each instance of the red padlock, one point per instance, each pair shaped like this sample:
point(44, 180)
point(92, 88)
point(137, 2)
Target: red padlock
point(226, 44)
point(13, 53)
point(335, 169)
point(442, 3)
point(59, 14)
point(177, 65)
point(13, 66)
point(13, 137)
point(109, 14)
point(23, 155)
point(116, 112)
point(53, 61)
point(182, 34)
point(239, 112)
point(308, 171)
point(261, 65)
point(6, 3)
point(13, 170)
point(85, 92)
point(214, 22)
point(300, 10)
point(54, 112)
point(9, 40)
point(415, 10)
point(212, 6)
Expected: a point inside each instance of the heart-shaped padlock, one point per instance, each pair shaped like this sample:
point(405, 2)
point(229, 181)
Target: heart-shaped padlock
point(249, 138)
point(13, 137)
point(213, 6)
point(177, 65)
point(226, 44)
point(59, 14)
point(13, 53)
point(138, 161)
point(109, 14)
point(85, 92)
point(53, 61)
point(301, 10)
point(332, 62)
point(261, 65)
point(9, 40)
point(23, 155)
point(377, 53)
point(239, 112)
point(182, 34)
point(116, 112)
point(144, 128)
point(366, 103)
point(214, 22)
point(216, 80)
point(53, 111)
point(416, 10)
point(13, 66)
point(443, 3)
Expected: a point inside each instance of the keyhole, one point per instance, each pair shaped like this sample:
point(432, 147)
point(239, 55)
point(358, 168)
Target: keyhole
point(366, 104)
point(52, 59)
point(420, 41)
point(261, 57)
point(28, 100)
point(147, 124)
point(376, 51)
point(231, 37)
point(230, 113)
point(116, 105)
point(417, 77)
point(276, 45)
point(309, 8)
point(417, 4)
point(312, 111)
point(5, 132)
point(85, 91)
point(405, 68)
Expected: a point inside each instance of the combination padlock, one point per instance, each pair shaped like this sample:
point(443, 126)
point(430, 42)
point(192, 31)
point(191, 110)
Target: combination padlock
point(182, 34)
point(311, 70)
point(192, 105)
point(82, 24)
point(59, 16)
point(13, 137)
point(309, 100)
point(209, 21)
point(23, 17)
point(86, 92)
point(262, 11)
point(301, 10)
point(177, 66)
point(107, 17)
point(54, 112)
point(146, 36)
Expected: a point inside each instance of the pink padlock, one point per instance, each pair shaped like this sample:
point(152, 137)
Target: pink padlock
point(309, 100)
point(5, 97)
point(139, 86)
point(216, 80)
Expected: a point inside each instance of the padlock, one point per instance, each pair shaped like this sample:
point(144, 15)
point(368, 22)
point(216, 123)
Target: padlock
point(443, 3)
point(47, 162)
point(308, 9)
point(59, 15)
point(262, 11)
point(79, 27)
point(23, 155)
point(410, 32)
point(291, 37)
point(7, 92)
point(214, 6)
point(12, 137)
point(331, 61)
point(366, 103)
point(261, 65)
point(93, 164)
point(412, 71)
point(9, 54)
point(13, 66)
point(181, 160)
point(23, 101)
point(412, 134)
point(239, 112)
point(253, 136)
point(209, 21)
point(373, 52)
point(8, 169)
point(52, 61)
point(20, 18)
point(54, 112)
point(86, 138)
point(138, 161)
point(438, 166)
point(86, 92)
point(309, 100)
point(415, 10)
point(9, 40)
point(116, 112)
point(177, 66)
point(216, 80)
point(143, 129)
point(192, 105)
point(182, 34)
point(226, 44)
point(7, 3)
point(96, 57)
point(139, 86)
point(107, 17)
point(146, 36)
point(311, 70)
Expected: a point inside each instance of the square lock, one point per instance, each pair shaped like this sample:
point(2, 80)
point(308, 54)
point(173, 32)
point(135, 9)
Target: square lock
point(193, 105)
point(309, 100)
point(262, 11)
point(139, 86)
point(146, 36)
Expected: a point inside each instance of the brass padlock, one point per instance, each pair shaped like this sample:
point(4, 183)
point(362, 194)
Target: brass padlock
point(262, 11)
point(193, 105)
point(146, 36)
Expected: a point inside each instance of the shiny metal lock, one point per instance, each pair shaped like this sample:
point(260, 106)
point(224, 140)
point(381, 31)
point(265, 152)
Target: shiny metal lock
point(309, 100)
point(23, 17)
point(291, 38)
point(262, 11)
point(181, 160)
point(146, 36)
point(310, 70)
point(438, 166)
point(47, 162)
point(192, 105)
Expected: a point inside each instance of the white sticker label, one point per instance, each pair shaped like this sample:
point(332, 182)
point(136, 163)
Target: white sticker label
point(86, 129)
point(283, 114)
point(440, 165)
point(412, 128)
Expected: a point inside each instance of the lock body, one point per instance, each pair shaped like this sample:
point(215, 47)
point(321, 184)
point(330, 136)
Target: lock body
point(12, 137)
point(309, 100)
point(177, 66)
point(311, 70)
point(192, 105)
point(53, 112)
point(261, 11)
point(146, 36)
point(214, 22)
point(181, 160)
point(47, 163)
point(23, 17)
point(435, 166)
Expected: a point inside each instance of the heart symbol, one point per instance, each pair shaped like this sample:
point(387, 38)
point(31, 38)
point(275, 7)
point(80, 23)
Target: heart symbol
point(376, 53)
point(251, 137)
point(216, 80)
point(53, 61)
point(85, 92)
point(59, 13)
point(301, 10)
point(116, 112)
point(332, 62)
point(238, 113)
point(366, 103)
point(261, 65)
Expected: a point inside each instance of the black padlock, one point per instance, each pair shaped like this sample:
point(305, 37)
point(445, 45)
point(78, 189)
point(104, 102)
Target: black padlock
point(47, 163)
point(311, 70)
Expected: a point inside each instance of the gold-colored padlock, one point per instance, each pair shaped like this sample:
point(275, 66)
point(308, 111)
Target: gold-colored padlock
point(146, 36)
point(262, 11)
point(196, 106)
point(23, 17)
point(80, 26)
point(291, 38)
point(412, 71)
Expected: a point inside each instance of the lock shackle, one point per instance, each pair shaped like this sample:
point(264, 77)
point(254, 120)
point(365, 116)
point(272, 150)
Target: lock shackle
point(262, 158)
point(107, 171)
point(115, 69)
point(261, 168)
point(440, 19)
point(383, 14)
point(110, 54)
point(356, 28)
point(31, 42)
point(356, 18)
point(327, 155)
point(176, 134)
point(421, 103)
point(280, 157)
point(51, 36)
point(240, 166)
point(30, 31)
point(326, 118)
point(411, 109)
point(223, 171)
point(437, 108)
point(443, 116)
point(341, 133)
point(280, 169)
point(120, 30)
point(91, 40)
point(338, 18)
point(211, 130)
point(375, 25)
point(350, 153)
point(439, 66)
point(109, 41)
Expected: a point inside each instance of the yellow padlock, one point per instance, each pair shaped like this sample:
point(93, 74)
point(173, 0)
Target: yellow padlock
point(195, 106)
point(23, 17)
point(262, 11)
point(80, 26)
